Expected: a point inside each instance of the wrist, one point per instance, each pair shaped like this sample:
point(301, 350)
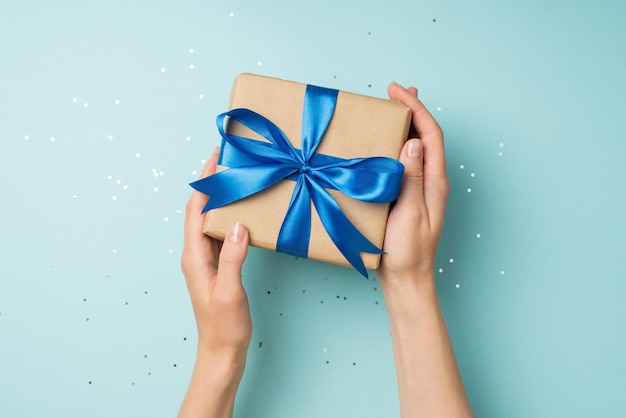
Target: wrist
point(214, 383)
point(410, 294)
point(226, 364)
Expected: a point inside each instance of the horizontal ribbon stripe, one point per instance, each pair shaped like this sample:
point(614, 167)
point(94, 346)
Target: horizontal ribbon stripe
point(257, 165)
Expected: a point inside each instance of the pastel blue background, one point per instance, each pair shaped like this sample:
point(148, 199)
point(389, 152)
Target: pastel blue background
point(103, 123)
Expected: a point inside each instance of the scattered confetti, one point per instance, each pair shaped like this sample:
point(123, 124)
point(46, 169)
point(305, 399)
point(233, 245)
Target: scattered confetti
point(122, 137)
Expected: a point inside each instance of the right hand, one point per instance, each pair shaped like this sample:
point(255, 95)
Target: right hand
point(416, 221)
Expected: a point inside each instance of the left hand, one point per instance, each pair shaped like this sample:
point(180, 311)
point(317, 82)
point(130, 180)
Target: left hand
point(212, 271)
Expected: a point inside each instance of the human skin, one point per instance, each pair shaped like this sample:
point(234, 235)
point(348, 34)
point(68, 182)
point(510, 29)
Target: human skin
point(212, 271)
point(429, 382)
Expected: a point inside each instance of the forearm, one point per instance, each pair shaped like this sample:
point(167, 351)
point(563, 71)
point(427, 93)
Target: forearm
point(213, 386)
point(429, 382)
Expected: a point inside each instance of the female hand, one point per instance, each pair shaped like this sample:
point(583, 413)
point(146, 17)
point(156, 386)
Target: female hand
point(212, 271)
point(416, 221)
point(429, 382)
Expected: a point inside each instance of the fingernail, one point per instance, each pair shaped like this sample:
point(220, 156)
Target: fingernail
point(236, 233)
point(415, 148)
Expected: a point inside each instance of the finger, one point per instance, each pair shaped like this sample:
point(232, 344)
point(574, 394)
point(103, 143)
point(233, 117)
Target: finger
point(232, 256)
point(427, 128)
point(423, 121)
point(199, 251)
point(197, 201)
point(436, 184)
point(411, 197)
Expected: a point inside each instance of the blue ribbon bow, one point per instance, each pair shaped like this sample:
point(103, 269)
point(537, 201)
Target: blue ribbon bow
point(256, 165)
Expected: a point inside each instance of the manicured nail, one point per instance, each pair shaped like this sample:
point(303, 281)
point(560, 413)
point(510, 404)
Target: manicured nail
point(415, 148)
point(236, 233)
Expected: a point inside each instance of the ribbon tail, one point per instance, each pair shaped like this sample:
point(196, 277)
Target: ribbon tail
point(348, 239)
point(295, 232)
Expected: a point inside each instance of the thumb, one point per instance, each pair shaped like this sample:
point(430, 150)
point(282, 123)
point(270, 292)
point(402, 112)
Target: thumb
point(232, 256)
point(412, 157)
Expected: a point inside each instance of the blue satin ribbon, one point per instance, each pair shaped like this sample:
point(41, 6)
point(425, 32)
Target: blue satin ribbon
point(256, 165)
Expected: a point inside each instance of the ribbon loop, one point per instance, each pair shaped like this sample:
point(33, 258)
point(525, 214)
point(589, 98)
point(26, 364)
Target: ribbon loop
point(257, 165)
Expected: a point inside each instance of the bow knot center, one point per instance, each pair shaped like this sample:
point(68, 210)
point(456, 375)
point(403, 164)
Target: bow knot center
point(306, 168)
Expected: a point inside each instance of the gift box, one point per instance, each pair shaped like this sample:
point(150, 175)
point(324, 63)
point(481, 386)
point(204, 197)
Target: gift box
point(309, 171)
